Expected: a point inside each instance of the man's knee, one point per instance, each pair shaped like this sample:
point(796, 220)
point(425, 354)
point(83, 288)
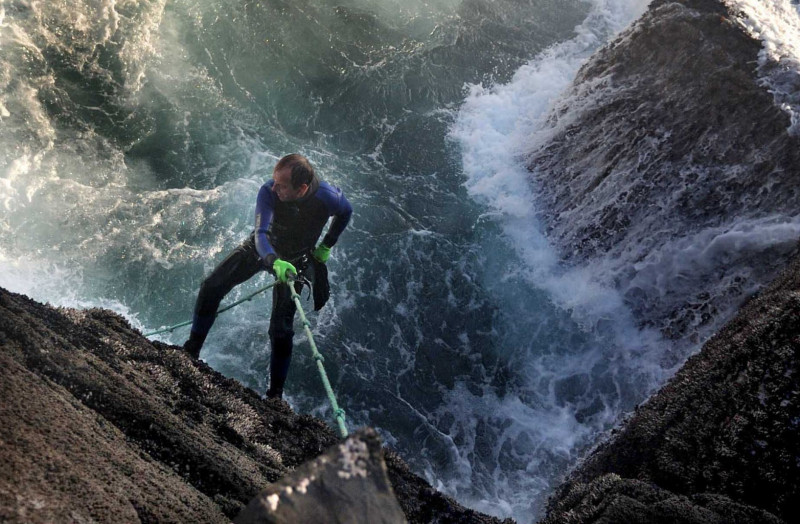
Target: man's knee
point(281, 331)
point(281, 346)
point(214, 286)
point(281, 323)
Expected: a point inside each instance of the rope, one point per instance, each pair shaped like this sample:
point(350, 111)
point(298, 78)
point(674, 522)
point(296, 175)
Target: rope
point(219, 311)
point(338, 412)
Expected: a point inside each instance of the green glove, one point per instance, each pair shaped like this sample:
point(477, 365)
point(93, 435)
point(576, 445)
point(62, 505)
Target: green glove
point(283, 269)
point(322, 253)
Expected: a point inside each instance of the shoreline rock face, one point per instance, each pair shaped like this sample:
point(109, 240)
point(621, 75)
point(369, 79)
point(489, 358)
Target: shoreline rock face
point(99, 424)
point(719, 443)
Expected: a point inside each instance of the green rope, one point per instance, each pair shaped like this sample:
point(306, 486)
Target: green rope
point(219, 311)
point(337, 411)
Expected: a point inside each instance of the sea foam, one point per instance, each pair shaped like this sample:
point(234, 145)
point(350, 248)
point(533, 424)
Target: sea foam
point(569, 389)
point(777, 24)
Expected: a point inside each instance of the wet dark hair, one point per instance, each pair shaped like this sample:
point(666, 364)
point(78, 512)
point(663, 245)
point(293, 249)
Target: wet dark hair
point(301, 169)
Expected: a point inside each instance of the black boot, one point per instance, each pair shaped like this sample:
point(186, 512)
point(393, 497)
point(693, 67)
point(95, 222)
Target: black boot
point(194, 344)
point(275, 393)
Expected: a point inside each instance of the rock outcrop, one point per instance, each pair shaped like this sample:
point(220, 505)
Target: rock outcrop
point(346, 485)
point(98, 424)
point(719, 443)
point(670, 169)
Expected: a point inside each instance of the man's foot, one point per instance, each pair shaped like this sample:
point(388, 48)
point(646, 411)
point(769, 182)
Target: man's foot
point(193, 346)
point(275, 393)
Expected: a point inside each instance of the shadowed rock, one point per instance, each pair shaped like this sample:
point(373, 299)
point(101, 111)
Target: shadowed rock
point(670, 169)
point(613, 499)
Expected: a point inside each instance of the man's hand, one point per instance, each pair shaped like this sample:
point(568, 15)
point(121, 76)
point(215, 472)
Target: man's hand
point(283, 269)
point(322, 253)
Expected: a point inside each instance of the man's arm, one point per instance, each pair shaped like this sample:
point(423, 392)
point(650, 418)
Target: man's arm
point(264, 209)
point(341, 210)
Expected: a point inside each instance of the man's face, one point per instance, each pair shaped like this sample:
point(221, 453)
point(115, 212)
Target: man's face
point(283, 186)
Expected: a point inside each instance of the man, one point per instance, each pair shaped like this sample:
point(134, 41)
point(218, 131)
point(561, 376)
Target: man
point(291, 212)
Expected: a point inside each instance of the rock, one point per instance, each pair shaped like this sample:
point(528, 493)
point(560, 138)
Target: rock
point(664, 160)
point(347, 484)
point(98, 424)
point(667, 146)
point(724, 433)
point(613, 499)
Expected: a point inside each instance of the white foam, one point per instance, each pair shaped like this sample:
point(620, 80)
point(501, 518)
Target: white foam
point(777, 24)
point(57, 284)
point(496, 124)
point(494, 130)
point(734, 256)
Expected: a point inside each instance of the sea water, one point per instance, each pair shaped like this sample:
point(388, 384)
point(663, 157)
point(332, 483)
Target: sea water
point(134, 137)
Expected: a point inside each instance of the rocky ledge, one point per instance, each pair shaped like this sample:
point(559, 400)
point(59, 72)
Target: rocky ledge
point(98, 424)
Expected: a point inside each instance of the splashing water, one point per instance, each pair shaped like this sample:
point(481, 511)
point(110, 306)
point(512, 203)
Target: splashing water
point(135, 136)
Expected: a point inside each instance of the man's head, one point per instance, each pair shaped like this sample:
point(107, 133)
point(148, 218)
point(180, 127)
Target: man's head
point(292, 175)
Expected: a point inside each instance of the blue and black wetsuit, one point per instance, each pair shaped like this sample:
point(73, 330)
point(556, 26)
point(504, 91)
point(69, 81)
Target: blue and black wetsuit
point(289, 230)
point(286, 230)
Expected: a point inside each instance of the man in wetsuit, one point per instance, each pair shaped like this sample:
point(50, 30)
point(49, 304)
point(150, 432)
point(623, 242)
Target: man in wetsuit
point(291, 211)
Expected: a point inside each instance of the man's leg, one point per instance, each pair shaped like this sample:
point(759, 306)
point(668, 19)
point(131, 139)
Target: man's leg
point(240, 265)
point(281, 332)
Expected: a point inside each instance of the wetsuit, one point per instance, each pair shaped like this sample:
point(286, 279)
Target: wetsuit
point(286, 230)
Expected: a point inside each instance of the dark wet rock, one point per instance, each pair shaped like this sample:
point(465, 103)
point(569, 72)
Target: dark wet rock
point(662, 161)
point(347, 484)
point(721, 441)
point(613, 499)
point(98, 424)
